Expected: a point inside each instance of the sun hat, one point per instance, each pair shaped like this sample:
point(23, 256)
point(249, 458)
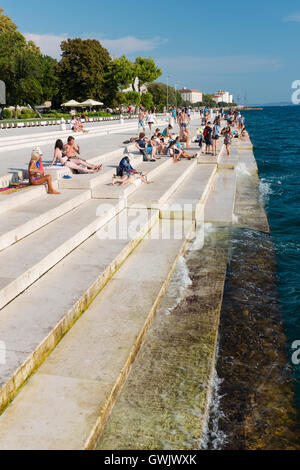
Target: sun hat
point(37, 149)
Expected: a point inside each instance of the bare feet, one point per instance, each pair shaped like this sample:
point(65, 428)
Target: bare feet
point(53, 192)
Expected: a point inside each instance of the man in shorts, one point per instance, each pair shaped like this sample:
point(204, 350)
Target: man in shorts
point(142, 117)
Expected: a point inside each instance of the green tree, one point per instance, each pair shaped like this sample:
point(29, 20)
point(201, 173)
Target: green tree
point(83, 70)
point(208, 100)
point(122, 72)
point(49, 78)
point(146, 71)
point(6, 24)
point(160, 91)
point(147, 100)
point(132, 97)
point(20, 69)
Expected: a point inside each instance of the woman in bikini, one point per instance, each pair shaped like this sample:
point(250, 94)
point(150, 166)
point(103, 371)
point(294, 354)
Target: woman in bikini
point(73, 164)
point(36, 176)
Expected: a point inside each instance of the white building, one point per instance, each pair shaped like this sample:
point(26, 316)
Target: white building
point(193, 96)
point(223, 96)
point(144, 88)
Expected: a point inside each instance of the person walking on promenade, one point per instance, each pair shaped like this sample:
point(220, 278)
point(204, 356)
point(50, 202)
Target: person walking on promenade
point(183, 122)
point(141, 125)
point(151, 119)
point(215, 136)
point(37, 176)
point(208, 138)
point(227, 139)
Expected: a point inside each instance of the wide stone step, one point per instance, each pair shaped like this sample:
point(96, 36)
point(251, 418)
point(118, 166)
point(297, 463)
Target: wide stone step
point(247, 161)
point(229, 163)
point(219, 207)
point(14, 200)
point(31, 216)
point(66, 403)
point(26, 261)
point(157, 193)
point(153, 170)
point(49, 308)
point(91, 180)
point(187, 202)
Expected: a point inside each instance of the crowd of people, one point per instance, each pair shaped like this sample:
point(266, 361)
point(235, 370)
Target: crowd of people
point(159, 143)
point(210, 133)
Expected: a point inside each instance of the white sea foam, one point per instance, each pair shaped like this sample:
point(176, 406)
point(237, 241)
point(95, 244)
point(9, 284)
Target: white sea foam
point(242, 169)
point(265, 189)
point(235, 219)
point(203, 230)
point(213, 437)
point(179, 283)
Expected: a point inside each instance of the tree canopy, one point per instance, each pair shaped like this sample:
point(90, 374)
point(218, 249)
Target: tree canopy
point(146, 71)
point(85, 71)
point(6, 24)
point(20, 69)
point(160, 91)
point(82, 69)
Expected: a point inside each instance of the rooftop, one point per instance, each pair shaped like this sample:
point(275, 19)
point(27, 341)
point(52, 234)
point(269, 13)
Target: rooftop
point(184, 90)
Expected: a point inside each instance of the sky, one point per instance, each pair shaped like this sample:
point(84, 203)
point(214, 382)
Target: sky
point(248, 48)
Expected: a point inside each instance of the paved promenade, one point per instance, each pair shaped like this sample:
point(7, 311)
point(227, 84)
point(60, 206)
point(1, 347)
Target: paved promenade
point(91, 145)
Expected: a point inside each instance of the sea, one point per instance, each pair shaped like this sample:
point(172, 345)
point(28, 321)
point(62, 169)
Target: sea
point(275, 134)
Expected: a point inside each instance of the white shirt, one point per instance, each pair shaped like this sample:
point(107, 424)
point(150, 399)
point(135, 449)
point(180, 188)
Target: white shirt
point(151, 118)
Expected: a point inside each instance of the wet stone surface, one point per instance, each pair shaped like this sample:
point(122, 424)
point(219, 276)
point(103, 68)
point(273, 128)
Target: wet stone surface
point(257, 396)
point(164, 402)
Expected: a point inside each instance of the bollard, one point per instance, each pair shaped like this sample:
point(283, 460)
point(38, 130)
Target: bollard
point(121, 119)
point(63, 126)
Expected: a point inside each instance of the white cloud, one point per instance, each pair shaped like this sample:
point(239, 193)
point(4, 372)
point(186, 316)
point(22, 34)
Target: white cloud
point(221, 65)
point(295, 17)
point(130, 44)
point(50, 44)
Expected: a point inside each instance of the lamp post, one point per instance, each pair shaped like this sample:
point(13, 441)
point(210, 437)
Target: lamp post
point(176, 84)
point(168, 76)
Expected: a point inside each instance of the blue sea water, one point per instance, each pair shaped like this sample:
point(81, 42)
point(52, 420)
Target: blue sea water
point(275, 133)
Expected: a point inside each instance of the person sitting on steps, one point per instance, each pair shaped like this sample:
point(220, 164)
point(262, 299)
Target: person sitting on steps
point(36, 176)
point(73, 164)
point(70, 149)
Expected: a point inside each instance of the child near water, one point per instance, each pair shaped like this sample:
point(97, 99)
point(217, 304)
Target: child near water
point(36, 176)
point(227, 139)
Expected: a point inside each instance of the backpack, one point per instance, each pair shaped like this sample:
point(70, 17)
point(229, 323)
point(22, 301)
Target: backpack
point(207, 132)
point(119, 172)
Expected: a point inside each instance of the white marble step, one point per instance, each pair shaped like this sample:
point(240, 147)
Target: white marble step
point(48, 309)
point(66, 402)
point(20, 222)
point(26, 261)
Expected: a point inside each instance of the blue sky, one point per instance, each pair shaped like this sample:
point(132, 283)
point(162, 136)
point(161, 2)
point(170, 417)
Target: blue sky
point(244, 47)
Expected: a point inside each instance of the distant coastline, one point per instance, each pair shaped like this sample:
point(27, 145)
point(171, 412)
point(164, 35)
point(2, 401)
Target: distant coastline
point(280, 103)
